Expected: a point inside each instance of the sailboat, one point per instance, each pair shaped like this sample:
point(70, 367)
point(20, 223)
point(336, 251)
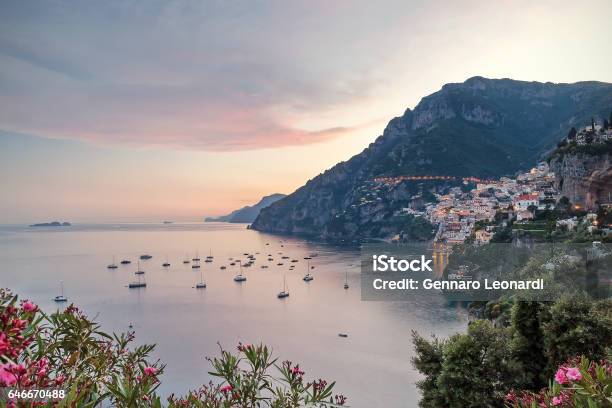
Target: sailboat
point(346, 285)
point(197, 258)
point(240, 277)
point(126, 262)
point(138, 270)
point(166, 264)
point(61, 297)
point(210, 257)
point(113, 265)
point(186, 260)
point(139, 284)
point(284, 293)
point(308, 277)
point(201, 284)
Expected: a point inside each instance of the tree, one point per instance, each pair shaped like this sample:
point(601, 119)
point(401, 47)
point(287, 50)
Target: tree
point(592, 124)
point(572, 133)
point(606, 124)
point(428, 361)
point(528, 343)
point(575, 326)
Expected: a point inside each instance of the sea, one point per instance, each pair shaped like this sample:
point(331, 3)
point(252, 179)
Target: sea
point(371, 366)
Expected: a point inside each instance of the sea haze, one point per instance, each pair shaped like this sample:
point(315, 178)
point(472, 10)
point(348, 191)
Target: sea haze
point(372, 366)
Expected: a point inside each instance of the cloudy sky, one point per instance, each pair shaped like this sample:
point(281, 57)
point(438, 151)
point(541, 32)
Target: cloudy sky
point(149, 109)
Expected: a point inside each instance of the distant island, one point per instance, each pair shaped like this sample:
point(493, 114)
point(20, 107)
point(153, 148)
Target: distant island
point(249, 213)
point(52, 224)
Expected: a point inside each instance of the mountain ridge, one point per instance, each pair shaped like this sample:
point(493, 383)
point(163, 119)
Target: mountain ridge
point(481, 127)
point(247, 214)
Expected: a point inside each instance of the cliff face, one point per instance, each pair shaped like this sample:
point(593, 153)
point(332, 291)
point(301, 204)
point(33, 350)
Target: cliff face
point(586, 179)
point(482, 127)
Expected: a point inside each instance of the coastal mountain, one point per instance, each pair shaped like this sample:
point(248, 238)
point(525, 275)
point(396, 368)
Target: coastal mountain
point(249, 213)
point(479, 128)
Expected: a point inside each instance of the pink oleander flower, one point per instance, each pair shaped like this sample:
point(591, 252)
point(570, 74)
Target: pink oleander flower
point(28, 306)
point(560, 376)
point(226, 388)
point(7, 378)
point(557, 401)
point(150, 371)
point(4, 344)
point(573, 374)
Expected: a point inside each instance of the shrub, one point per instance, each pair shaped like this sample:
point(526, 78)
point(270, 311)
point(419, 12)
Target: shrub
point(68, 351)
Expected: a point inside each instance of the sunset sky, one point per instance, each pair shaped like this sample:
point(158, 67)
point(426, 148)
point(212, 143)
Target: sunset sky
point(147, 110)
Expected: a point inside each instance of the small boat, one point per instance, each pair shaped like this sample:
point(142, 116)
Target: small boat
point(201, 284)
point(240, 277)
point(145, 257)
point(138, 270)
point(126, 262)
point(197, 258)
point(61, 298)
point(139, 284)
point(113, 265)
point(210, 255)
point(307, 257)
point(223, 267)
point(346, 285)
point(285, 257)
point(308, 277)
point(195, 266)
point(294, 260)
point(280, 264)
point(233, 264)
point(284, 293)
point(264, 266)
point(270, 259)
point(166, 264)
point(343, 335)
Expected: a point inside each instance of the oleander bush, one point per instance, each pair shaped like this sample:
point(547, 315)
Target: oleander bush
point(577, 383)
point(68, 351)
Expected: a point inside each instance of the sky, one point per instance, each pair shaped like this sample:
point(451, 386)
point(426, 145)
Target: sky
point(146, 110)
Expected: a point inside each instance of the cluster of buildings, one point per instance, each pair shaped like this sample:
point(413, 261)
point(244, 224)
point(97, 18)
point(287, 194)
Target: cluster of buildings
point(459, 214)
point(594, 134)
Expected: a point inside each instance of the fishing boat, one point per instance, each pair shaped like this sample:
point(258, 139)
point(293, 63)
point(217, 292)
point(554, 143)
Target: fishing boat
point(113, 265)
point(61, 297)
point(284, 293)
point(240, 277)
point(346, 285)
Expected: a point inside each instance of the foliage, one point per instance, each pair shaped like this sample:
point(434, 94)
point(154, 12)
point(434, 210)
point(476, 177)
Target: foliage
point(67, 350)
point(578, 383)
point(473, 369)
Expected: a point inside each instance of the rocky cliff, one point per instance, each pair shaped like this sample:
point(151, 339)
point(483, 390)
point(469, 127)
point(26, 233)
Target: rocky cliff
point(248, 213)
point(585, 177)
point(482, 127)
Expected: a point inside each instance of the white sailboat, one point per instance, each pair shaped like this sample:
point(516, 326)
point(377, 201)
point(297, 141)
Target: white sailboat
point(166, 264)
point(196, 258)
point(284, 293)
point(240, 277)
point(138, 270)
point(308, 277)
point(61, 297)
point(186, 260)
point(346, 285)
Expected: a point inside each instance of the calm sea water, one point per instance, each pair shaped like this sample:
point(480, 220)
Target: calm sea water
point(372, 366)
